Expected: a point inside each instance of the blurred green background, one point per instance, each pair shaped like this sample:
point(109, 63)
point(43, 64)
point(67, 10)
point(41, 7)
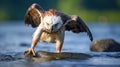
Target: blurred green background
point(88, 10)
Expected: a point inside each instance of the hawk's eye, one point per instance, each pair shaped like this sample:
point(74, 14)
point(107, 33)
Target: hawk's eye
point(56, 24)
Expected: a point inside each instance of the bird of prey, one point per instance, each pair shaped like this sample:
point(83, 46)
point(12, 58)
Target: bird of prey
point(51, 26)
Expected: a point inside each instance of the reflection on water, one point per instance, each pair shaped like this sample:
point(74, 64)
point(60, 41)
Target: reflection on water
point(15, 38)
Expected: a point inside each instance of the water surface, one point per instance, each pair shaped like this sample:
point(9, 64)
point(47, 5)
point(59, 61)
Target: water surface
point(15, 38)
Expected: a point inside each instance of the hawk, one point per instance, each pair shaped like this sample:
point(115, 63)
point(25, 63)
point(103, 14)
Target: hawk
point(51, 26)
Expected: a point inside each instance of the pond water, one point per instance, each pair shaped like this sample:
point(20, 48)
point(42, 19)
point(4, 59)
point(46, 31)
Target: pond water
point(15, 38)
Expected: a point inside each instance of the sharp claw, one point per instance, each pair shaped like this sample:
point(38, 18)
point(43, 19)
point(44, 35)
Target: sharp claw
point(30, 52)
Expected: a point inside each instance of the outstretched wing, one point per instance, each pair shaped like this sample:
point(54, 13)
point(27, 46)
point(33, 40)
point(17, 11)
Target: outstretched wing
point(33, 15)
point(76, 25)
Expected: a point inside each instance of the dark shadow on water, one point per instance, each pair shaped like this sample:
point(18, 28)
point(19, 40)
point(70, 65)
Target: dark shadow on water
point(43, 56)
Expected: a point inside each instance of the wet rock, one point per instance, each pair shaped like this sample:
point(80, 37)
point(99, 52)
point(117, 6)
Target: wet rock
point(4, 57)
point(105, 45)
point(43, 56)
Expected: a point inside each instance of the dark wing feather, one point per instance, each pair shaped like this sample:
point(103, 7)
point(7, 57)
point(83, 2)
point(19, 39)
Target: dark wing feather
point(33, 15)
point(76, 25)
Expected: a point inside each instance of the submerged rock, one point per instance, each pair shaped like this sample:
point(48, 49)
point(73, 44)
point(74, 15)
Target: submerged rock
point(105, 45)
point(24, 44)
point(6, 57)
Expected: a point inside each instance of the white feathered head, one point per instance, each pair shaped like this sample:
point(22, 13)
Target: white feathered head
point(51, 20)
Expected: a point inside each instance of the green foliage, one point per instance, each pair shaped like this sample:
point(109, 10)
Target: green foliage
point(88, 10)
point(101, 4)
point(3, 15)
point(92, 10)
point(15, 9)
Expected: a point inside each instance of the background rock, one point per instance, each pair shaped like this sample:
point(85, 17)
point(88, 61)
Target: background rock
point(105, 45)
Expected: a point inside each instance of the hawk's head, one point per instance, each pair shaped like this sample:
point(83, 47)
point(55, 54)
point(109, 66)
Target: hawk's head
point(52, 20)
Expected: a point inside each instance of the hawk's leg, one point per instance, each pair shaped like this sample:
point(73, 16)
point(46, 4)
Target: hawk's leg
point(31, 51)
point(58, 49)
point(35, 39)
